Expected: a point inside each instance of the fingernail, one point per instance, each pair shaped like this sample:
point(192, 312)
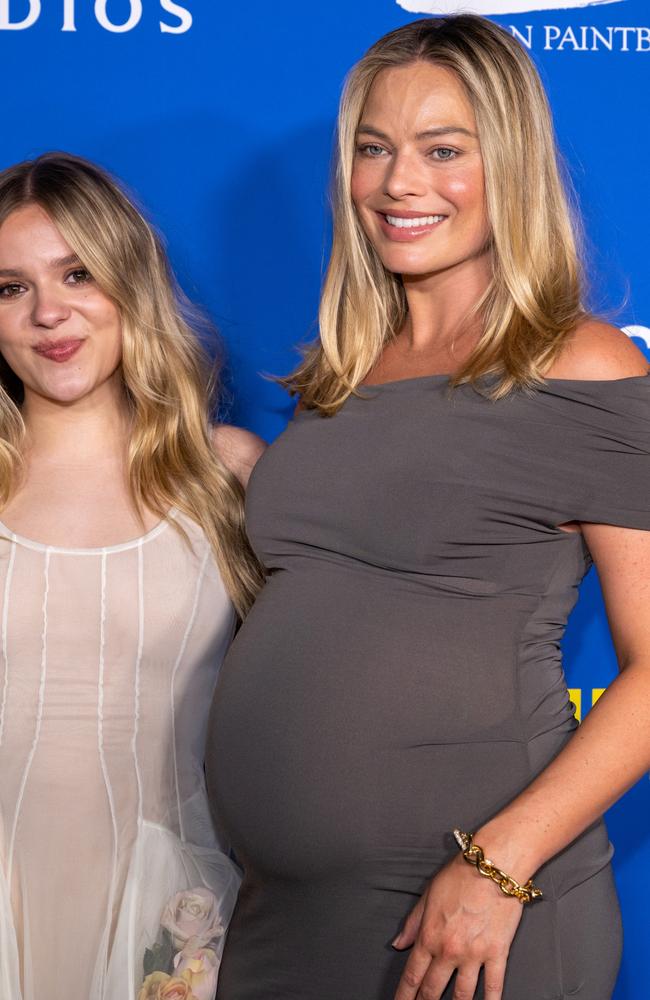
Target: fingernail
point(395, 942)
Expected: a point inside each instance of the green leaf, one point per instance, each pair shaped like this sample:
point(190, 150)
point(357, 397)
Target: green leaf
point(159, 958)
point(149, 962)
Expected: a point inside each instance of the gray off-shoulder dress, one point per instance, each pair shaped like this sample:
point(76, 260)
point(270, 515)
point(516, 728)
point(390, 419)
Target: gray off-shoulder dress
point(400, 675)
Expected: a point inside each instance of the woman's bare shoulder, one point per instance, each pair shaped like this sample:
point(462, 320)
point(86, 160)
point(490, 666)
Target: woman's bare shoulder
point(596, 351)
point(238, 449)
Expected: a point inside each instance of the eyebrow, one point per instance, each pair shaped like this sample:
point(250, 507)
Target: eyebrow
point(430, 133)
point(58, 262)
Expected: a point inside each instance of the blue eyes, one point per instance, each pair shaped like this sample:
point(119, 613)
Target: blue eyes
point(370, 149)
point(445, 153)
point(441, 153)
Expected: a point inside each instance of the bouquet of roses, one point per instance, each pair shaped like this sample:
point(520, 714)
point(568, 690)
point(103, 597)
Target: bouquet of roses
point(181, 965)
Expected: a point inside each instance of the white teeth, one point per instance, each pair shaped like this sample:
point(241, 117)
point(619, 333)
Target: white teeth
point(423, 220)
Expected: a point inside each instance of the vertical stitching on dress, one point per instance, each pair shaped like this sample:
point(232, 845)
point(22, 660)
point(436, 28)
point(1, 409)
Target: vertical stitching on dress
point(39, 717)
point(136, 764)
point(102, 758)
point(5, 619)
point(181, 653)
point(138, 662)
point(7, 945)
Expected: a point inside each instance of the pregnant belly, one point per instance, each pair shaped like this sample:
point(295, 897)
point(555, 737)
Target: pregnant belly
point(355, 716)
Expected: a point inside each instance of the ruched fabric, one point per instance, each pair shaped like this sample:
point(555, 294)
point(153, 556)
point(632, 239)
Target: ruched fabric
point(401, 675)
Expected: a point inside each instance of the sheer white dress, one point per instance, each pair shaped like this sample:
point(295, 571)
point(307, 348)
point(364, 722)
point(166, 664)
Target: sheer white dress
point(108, 662)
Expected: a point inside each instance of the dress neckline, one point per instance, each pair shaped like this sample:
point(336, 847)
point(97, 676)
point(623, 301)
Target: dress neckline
point(131, 543)
point(445, 377)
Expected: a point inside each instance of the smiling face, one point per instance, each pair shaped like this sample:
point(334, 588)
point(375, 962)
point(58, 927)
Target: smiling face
point(417, 179)
point(59, 333)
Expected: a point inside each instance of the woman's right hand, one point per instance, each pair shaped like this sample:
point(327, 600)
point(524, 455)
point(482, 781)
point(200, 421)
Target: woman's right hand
point(462, 923)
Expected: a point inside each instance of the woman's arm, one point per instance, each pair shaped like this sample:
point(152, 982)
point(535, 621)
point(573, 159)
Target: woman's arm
point(463, 922)
point(611, 749)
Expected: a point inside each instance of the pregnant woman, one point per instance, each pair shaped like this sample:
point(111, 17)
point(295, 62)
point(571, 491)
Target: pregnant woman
point(123, 563)
point(468, 441)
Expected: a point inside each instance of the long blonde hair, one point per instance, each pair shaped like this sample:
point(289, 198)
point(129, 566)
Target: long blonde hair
point(534, 299)
point(165, 373)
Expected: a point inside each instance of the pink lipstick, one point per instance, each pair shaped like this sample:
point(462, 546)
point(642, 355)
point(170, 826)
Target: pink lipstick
point(59, 350)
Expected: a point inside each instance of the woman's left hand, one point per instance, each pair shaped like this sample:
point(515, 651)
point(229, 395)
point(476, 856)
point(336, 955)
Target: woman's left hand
point(462, 922)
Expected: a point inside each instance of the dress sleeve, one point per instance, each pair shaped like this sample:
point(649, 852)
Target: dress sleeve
point(607, 446)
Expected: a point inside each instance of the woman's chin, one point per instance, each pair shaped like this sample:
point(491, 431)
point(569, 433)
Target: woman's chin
point(408, 260)
point(417, 266)
point(65, 392)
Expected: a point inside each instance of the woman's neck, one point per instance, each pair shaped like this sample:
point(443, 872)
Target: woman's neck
point(440, 307)
point(90, 430)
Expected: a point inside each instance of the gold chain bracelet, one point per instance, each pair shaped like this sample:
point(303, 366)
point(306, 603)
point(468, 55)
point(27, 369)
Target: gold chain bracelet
point(527, 893)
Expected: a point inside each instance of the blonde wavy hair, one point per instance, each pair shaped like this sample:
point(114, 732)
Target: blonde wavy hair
point(168, 384)
point(534, 299)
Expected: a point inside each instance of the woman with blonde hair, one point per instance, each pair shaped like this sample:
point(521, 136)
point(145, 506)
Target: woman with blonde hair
point(418, 815)
point(124, 564)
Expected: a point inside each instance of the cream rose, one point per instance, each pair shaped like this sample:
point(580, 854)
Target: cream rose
point(192, 917)
point(176, 989)
point(160, 986)
point(200, 969)
point(150, 987)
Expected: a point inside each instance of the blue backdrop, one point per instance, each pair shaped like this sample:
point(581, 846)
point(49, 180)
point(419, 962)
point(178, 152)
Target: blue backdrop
point(220, 116)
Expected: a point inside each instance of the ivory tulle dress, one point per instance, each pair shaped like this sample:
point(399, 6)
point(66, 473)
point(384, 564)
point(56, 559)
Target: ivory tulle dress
point(108, 661)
